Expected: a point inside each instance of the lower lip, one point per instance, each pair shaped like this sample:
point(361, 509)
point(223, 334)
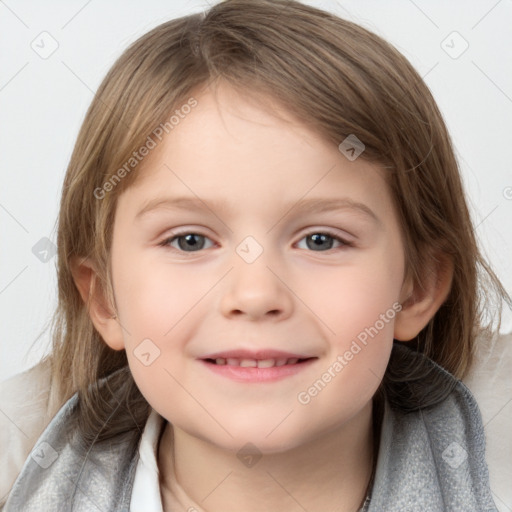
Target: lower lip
point(254, 374)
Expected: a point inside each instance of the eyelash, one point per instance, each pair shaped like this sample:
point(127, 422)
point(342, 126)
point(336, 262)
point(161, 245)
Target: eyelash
point(344, 243)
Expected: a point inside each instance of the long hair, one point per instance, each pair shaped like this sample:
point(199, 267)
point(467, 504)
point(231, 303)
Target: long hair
point(337, 77)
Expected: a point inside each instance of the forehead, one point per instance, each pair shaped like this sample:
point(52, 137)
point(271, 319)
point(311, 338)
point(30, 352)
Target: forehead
point(248, 149)
point(240, 120)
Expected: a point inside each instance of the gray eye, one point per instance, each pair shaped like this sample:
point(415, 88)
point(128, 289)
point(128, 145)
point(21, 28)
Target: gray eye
point(189, 242)
point(320, 242)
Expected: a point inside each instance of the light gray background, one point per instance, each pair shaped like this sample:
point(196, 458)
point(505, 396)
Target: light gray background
point(43, 102)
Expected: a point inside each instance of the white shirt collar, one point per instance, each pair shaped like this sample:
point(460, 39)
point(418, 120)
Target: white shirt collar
point(146, 486)
point(146, 495)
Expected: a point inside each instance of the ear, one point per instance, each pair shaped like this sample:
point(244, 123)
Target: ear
point(101, 312)
point(421, 301)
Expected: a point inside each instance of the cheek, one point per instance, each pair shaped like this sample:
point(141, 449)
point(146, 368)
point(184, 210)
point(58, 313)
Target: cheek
point(359, 336)
point(152, 299)
point(357, 304)
point(155, 305)
point(350, 298)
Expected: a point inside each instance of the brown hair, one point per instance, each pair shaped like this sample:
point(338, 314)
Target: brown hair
point(339, 79)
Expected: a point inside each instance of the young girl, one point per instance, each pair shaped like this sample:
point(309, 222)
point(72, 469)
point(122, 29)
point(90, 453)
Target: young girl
point(268, 282)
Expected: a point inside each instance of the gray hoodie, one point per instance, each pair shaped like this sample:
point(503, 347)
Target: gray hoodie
point(431, 454)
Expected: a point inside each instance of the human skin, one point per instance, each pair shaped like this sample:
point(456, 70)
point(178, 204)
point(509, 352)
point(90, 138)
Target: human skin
point(292, 298)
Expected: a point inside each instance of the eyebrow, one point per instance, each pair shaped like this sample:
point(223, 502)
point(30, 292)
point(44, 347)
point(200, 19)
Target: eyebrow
point(311, 205)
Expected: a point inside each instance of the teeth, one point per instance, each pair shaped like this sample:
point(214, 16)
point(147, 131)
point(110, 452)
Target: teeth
point(253, 363)
point(266, 363)
point(248, 363)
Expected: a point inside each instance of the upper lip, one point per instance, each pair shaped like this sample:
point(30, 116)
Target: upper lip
point(257, 355)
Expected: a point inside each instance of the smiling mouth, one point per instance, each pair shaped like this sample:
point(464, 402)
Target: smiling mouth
point(257, 363)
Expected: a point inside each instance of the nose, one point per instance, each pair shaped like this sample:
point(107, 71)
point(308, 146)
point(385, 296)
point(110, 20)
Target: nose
point(256, 291)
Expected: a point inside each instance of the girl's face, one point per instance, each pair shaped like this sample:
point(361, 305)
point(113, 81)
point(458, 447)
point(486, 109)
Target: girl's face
point(251, 241)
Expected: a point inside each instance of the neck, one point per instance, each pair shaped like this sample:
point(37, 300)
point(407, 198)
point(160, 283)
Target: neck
point(331, 471)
